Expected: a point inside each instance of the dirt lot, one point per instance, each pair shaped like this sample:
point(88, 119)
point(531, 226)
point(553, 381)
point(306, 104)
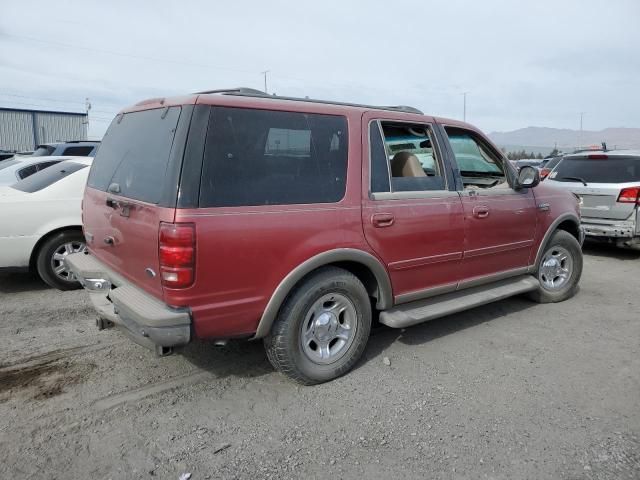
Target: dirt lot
point(510, 390)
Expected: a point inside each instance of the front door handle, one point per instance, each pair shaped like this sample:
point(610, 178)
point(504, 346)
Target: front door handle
point(381, 220)
point(481, 211)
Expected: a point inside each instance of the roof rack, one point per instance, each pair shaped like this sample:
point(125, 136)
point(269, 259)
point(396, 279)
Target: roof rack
point(252, 92)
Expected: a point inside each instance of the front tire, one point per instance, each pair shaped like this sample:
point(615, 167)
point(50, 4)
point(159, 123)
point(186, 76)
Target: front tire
point(50, 260)
point(559, 270)
point(322, 328)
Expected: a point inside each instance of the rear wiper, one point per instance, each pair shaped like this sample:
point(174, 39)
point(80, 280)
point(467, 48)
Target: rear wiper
point(581, 180)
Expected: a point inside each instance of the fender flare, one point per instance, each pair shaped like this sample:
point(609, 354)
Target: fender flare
point(552, 228)
point(385, 293)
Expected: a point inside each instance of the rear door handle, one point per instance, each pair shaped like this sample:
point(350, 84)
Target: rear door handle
point(481, 211)
point(381, 220)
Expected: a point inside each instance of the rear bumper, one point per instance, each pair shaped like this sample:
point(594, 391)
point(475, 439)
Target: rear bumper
point(609, 228)
point(145, 319)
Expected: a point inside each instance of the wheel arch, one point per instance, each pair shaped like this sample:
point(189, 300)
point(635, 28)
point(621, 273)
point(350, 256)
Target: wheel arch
point(568, 222)
point(36, 248)
point(363, 265)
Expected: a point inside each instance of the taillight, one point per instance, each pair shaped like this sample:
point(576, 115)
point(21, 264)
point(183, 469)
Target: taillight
point(177, 254)
point(598, 156)
point(544, 172)
point(630, 195)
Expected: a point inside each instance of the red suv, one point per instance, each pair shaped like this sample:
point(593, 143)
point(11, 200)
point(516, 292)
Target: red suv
point(233, 214)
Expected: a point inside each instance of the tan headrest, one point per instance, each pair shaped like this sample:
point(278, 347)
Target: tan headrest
point(405, 164)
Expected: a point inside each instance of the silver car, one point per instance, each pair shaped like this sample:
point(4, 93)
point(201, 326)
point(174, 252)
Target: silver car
point(608, 184)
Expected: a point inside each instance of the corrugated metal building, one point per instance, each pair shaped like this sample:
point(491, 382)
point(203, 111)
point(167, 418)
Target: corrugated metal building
point(25, 129)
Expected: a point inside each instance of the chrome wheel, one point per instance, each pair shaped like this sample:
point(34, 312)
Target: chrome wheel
point(556, 268)
point(329, 328)
point(57, 259)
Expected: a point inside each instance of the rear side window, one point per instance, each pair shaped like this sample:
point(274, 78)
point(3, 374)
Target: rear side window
point(135, 152)
point(78, 151)
point(609, 170)
point(48, 176)
point(261, 157)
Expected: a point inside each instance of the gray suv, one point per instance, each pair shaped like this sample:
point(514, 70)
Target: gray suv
point(608, 184)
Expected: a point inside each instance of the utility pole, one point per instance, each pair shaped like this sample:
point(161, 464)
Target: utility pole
point(580, 137)
point(87, 106)
point(265, 80)
point(464, 106)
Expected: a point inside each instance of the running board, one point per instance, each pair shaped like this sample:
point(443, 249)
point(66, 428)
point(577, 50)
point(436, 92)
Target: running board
point(409, 314)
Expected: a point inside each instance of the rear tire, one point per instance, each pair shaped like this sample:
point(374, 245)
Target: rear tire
point(50, 259)
point(559, 270)
point(322, 328)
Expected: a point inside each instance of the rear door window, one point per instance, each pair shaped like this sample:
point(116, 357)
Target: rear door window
point(135, 152)
point(48, 176)
point(262, 157)
point(404, 158)
point(609, 170)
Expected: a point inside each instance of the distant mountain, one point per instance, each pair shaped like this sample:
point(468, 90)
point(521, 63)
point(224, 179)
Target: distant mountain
point(566, 139)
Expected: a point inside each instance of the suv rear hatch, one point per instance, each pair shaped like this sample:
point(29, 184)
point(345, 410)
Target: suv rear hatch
point(606, 176)
point(132, 188)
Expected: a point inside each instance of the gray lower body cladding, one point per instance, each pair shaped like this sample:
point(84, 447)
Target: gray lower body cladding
point(145, 319)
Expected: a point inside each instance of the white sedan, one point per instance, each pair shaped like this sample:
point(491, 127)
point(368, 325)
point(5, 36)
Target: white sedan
point(19, 167)
point(40, 221)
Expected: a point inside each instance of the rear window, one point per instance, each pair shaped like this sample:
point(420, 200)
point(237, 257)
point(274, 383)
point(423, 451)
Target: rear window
point(610, 170)
point(135, 152)
point(78, 151)
point(48, 176)
point(261, 157)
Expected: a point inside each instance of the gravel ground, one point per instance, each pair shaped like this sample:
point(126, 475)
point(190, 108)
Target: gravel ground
point(505, 391)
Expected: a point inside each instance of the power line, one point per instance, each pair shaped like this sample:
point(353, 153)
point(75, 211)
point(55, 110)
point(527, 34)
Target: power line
point(126, 55)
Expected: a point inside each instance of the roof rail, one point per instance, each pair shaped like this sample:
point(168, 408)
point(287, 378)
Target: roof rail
point(252, 92)
point(236, 91)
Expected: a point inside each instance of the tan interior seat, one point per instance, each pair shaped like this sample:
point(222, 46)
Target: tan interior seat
point(405, 164)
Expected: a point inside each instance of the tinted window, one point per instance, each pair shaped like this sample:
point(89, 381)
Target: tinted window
point(27, 171)
point(78, 151)
point(260, 157)
point(610, 170)
point(43, 151)
point(135, 152)
point(43, 165)
point(47, 177)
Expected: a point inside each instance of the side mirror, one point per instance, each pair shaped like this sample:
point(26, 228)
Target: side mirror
point(528, 177)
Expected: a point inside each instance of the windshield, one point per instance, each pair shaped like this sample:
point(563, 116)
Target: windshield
point(609, 170)
point(48, 176)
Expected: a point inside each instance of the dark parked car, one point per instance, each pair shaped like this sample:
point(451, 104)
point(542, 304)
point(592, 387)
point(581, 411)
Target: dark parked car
point(239, 215)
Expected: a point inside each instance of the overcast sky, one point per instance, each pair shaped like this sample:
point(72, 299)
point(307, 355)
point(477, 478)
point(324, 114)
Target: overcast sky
point(523, 63)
